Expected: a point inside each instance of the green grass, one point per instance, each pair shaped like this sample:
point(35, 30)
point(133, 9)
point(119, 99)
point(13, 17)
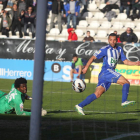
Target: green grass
point(104, 117)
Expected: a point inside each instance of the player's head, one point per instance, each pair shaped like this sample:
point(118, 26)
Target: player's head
point(75, 57)
point(112, 39)
point(21, 84)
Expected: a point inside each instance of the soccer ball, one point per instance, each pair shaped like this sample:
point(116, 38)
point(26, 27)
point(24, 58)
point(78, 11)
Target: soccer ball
point(79, 85)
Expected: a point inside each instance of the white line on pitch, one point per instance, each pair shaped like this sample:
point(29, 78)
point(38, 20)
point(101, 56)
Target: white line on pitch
point(101, 112)
point(123, 136)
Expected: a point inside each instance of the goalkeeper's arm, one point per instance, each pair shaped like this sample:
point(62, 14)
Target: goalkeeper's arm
point(28, 97)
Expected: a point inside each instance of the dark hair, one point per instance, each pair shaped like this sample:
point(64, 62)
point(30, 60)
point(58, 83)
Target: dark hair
point(112, 34)
point(75, 55)
point(19, 81)
point(88, 31)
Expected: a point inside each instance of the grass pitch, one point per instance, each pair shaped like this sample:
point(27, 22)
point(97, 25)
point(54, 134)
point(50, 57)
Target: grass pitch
point(104, 119)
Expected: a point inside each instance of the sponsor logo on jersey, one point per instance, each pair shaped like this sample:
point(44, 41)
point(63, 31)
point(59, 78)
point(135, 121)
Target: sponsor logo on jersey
point(21, 107)
point(113, 60)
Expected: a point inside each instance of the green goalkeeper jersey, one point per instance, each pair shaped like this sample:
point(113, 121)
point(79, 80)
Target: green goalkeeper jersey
point(13, 100)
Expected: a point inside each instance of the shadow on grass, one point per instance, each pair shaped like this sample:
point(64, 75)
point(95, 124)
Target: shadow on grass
point(123, 120)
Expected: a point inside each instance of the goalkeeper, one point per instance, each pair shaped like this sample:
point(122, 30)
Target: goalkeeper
point(77, 65)
point(15, 98)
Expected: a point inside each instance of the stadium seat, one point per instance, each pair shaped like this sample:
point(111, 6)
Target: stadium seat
point(50, 38)
point(138, 34)
point(1, 7)
point(102, 6)
point(54, 31)
point(79, 32)
point(27, 37)
point(14, 37)
point(94, 24)
point(106, 24)
point(130, 24)
point(92, 7)
point(82, 23)
point(64, 32)
point(61, 39)
point(121, 16)
point(48, 21)
point(8, 9)
point(117, 25)
point(98, 15)
point(138, 26)
point(3, 36)
point(87, 15)
point(101, 33)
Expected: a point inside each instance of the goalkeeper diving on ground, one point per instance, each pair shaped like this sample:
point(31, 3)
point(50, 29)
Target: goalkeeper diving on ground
point(110, 54)
point(14, 100)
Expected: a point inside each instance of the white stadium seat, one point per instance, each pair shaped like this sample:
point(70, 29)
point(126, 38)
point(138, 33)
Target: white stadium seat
point(64, 32)
point(61, 39)
point(101, 33)
point(27, 37)
point(117, 25)
point(98, 15)
point(54, 31)
point(130, 24)
point(106, 24)
point(79, 32)
point(83, 23)
point(8, 9)
point(94, 24)
point(3, 36)
point(121, 16)
point(50, 38)
point(14, 37)
point(138, 34)
point(1, 7)
point(102, 6)
point(138, 26)
point(87, 15)
point(92, 7)
point(48, 21)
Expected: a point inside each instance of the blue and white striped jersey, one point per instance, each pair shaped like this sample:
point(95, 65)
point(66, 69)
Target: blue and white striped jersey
point(110, 56)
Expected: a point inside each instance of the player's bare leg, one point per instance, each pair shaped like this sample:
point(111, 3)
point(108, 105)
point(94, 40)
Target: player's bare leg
point(125, 91)
point(71, 73)
point(98, 92)
point(80, 71)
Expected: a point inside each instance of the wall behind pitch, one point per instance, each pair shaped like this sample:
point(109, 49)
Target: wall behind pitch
point(54, 71)
point(60, 71)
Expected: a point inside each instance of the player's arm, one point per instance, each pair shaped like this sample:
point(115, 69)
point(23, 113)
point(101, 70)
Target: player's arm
point(88, 64)
point(127, 62)
point(130, 63)
point(18, 105)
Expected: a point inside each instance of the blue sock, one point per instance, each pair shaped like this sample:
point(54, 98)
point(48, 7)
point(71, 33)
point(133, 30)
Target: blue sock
point(125, 91)
point(88, 100)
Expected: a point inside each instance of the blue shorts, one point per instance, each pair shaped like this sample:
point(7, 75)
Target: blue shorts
point(107, 77)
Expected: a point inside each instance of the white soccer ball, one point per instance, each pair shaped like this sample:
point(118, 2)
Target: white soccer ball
point(79, 85)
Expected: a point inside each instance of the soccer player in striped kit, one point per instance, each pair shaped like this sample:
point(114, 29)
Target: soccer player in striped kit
point(110, 54)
